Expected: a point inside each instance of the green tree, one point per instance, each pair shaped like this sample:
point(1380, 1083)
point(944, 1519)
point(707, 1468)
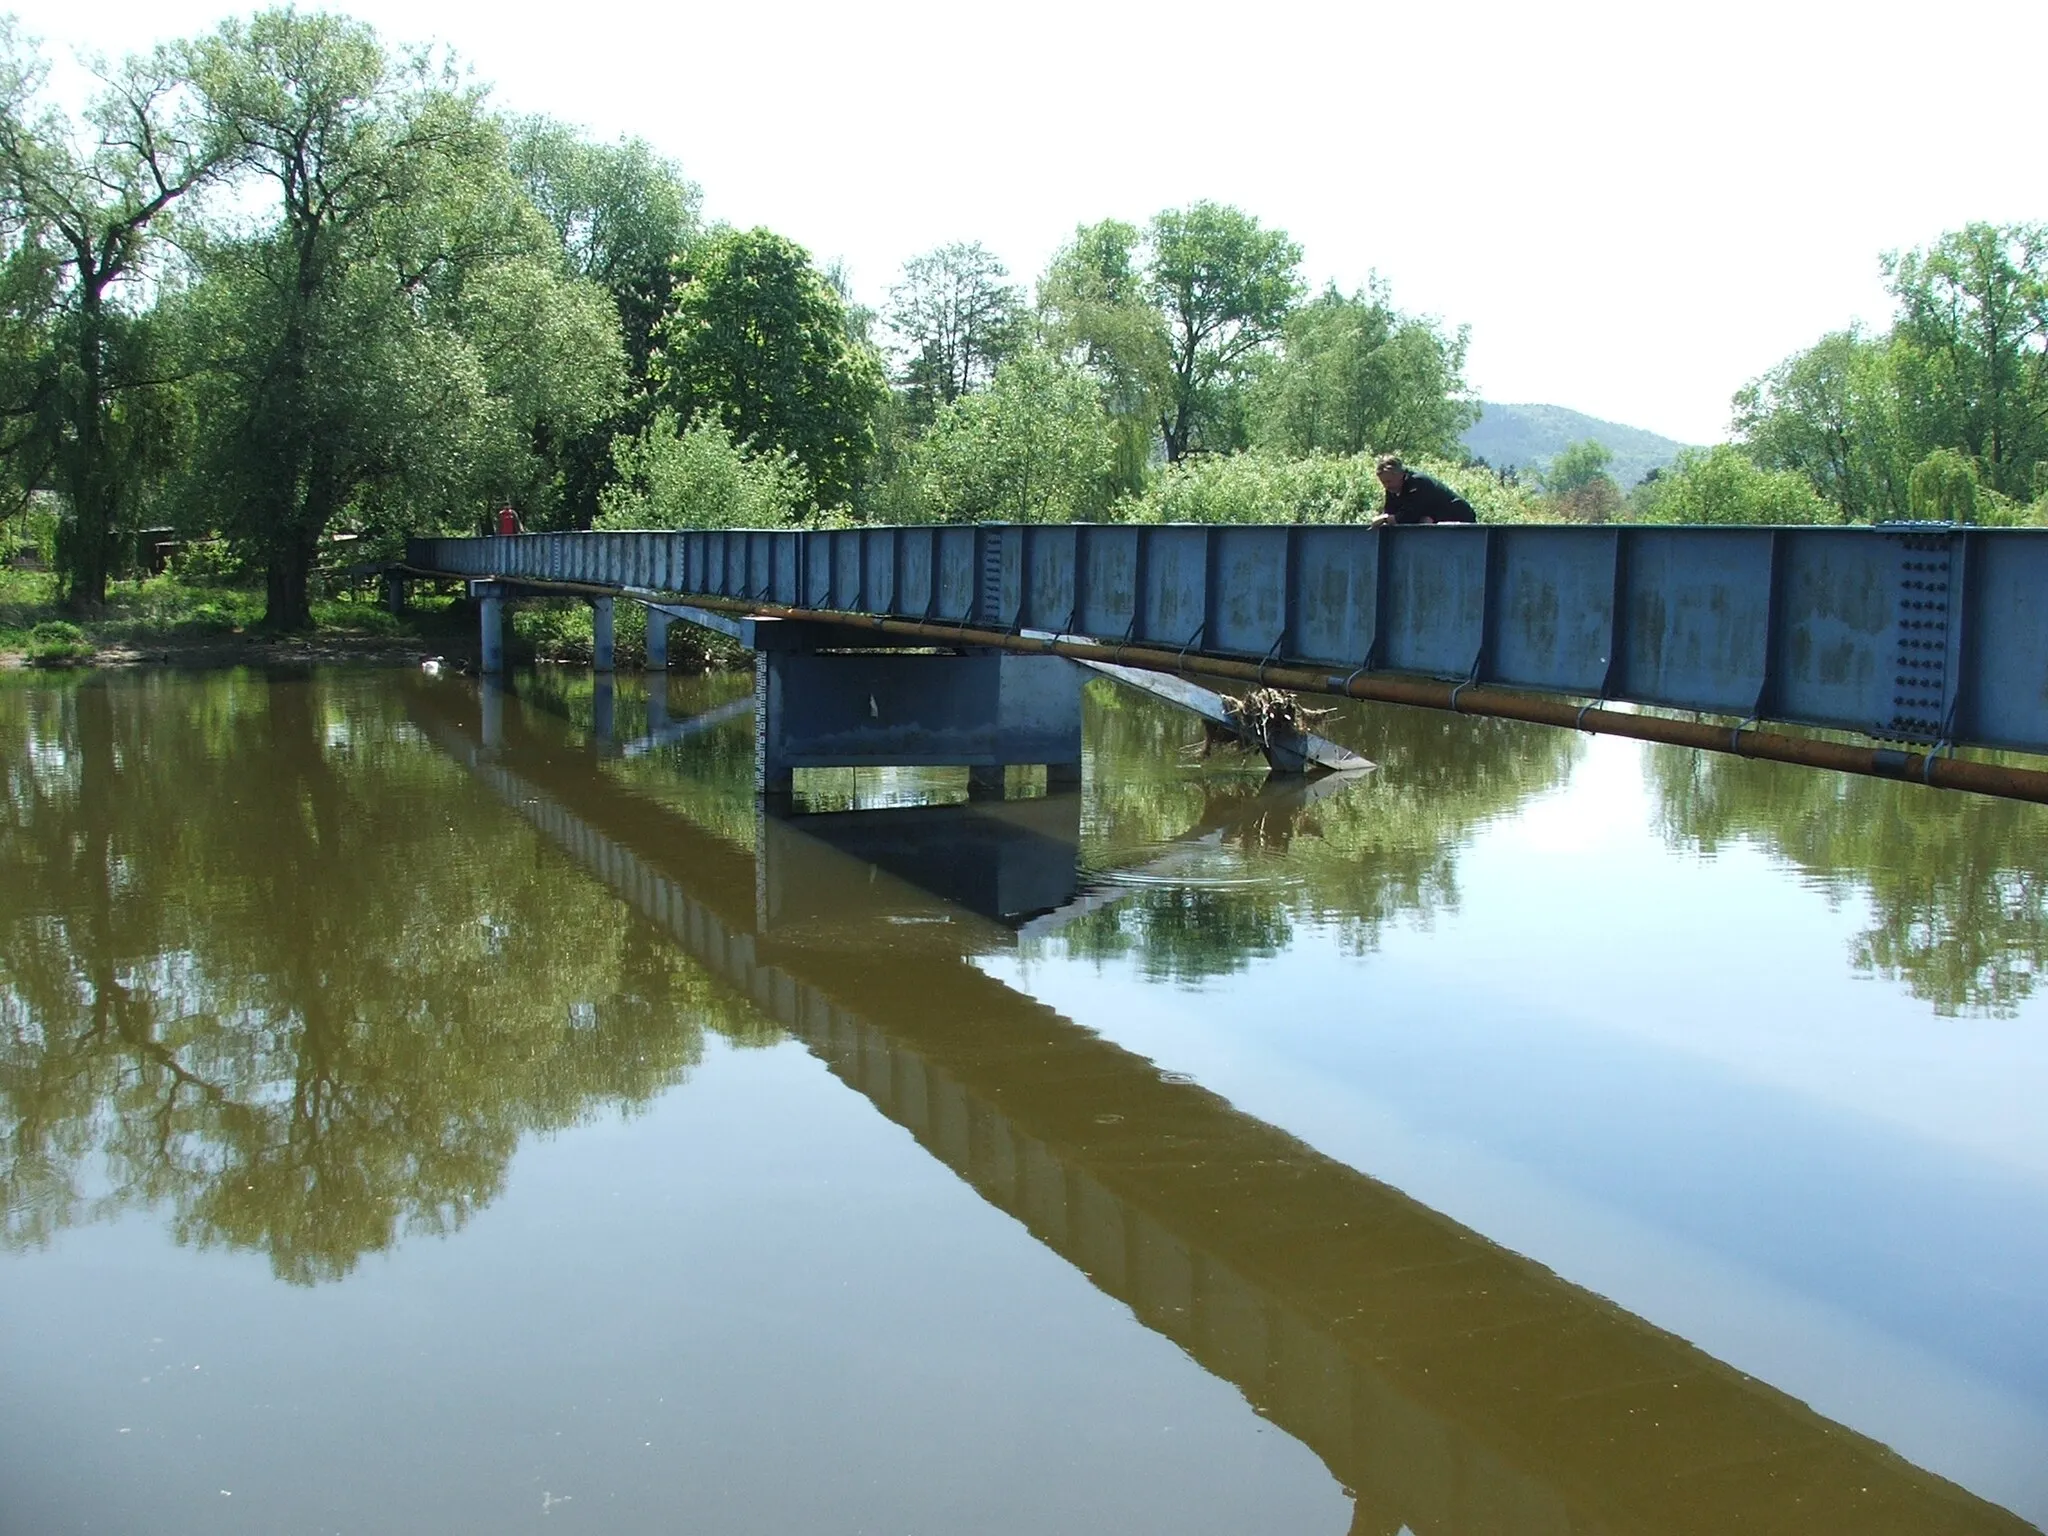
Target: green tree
point(1094, 310)
point(1224, 286)
point(1034, 447)
point(955, 318)
point(397, 340)
point(623, 214)
point(1357, 376)
point(1259, 486)
point(1973, 316)
point(623, 217)
point(86, 205)
point(1943, 488)
point(1578, 485)
point(698, 477)
point(1722, 485)
point(758, 340)
point(1577, 465)
point(1831, 413)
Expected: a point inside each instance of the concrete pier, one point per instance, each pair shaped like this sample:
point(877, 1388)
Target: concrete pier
point(601, 633)
point(857, 709)
point(490, 605)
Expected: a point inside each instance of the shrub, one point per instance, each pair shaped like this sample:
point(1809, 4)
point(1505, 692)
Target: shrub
point(54, 642)
point(1721, 485)
point(208, 563)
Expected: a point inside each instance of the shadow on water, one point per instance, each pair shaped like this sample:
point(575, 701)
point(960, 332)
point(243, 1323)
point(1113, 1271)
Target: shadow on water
point(300, 1054)
point(1957, 885)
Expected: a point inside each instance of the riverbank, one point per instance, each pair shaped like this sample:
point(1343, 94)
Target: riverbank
point(253, 650)
point(164, 622)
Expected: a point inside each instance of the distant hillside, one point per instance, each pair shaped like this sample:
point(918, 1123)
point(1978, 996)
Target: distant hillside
point(1527, 436)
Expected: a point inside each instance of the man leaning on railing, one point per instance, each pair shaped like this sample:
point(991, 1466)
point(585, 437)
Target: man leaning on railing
point(1413, 497)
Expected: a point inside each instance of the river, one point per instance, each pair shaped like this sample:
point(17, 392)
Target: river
point(432, 1109)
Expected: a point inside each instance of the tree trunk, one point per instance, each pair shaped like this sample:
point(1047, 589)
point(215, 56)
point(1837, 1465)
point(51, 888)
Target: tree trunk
point(86, 555)
point(288, 603)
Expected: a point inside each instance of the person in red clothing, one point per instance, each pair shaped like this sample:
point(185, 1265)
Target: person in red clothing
point(508, 522)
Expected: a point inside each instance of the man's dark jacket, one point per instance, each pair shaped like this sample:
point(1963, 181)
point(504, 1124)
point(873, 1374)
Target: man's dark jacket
point(1426, 497)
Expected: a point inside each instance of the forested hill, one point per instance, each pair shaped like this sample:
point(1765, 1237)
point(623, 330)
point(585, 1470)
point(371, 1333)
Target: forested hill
point(1527, 436)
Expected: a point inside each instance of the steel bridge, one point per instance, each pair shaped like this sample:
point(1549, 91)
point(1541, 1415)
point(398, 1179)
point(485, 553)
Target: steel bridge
point(1917, 639)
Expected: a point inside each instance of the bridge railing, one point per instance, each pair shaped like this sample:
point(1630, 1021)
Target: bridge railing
point(1908, 633)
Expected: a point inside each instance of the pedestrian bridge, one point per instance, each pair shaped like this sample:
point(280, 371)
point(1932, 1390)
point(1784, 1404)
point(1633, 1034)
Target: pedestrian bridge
point(1913, 640)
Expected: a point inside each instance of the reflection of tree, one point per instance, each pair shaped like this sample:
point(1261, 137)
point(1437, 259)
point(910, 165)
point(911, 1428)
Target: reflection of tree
point(1956, 883)
point(1356, 859)
point(279, 966)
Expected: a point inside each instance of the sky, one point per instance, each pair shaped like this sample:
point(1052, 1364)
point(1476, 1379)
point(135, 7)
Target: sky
point(1635, 207)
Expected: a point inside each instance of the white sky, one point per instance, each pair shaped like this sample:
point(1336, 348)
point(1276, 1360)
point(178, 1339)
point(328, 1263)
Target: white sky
point(1636, 207)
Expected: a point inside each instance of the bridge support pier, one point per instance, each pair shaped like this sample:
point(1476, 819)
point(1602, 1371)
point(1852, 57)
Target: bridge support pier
point(491, 599)
point(657, 639)
point(877, 708)
point(394, 594)
point(601, 634)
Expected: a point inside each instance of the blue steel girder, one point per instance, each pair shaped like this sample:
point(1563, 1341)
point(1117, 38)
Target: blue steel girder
point(1907, 633)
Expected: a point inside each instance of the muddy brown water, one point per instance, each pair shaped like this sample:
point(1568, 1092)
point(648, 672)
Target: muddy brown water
point(425, 1109)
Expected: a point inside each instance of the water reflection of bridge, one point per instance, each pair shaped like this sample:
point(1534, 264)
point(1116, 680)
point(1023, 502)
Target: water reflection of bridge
point(1450, 1385)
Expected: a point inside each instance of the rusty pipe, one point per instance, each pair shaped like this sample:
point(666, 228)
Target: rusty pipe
point(2001, 780)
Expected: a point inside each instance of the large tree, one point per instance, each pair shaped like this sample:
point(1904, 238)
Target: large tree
point(389, 339)
point(1831, 413)
point(84, 205)
point(1356, 375)
point(1973, 314)
point(955, 317)
point(758, 340)
point(624, 216)
point(1095, 311)
point(1224, 286)
point(1963, 370)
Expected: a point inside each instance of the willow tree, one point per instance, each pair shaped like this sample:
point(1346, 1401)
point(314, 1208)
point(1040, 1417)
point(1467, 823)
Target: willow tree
point(387, 330)
point(84, 208)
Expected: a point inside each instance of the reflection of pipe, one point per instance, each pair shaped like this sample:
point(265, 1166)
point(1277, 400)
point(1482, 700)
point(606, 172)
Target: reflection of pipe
point(669, 732)
point(1924, 767)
